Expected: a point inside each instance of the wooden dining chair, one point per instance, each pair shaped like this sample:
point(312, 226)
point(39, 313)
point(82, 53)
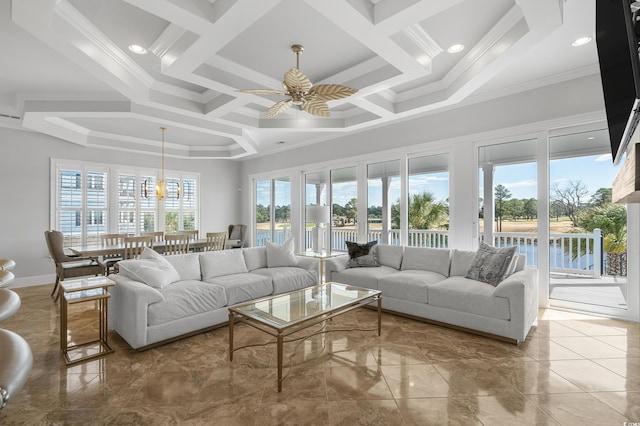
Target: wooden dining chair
point(133, 246)
point(109, 260)
point(216, 241)
point(68, 267)
point(176, 244)
point(193, 234)
point(157, 236)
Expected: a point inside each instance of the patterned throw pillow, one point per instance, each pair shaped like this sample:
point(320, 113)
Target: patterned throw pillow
point(490, 264)
point(362, 255)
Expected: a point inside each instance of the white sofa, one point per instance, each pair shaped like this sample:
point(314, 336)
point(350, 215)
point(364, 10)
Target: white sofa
point(430, 284)
point(161, 298)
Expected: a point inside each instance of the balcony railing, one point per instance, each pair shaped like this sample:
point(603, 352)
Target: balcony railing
point(579, 254)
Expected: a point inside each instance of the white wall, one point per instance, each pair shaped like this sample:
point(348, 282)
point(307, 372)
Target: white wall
point(25, 194)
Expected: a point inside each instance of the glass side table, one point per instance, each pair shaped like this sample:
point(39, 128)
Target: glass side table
point(322, 256)
point(78, 291)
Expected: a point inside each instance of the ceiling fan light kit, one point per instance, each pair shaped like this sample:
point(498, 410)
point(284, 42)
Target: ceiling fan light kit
point(302, 93)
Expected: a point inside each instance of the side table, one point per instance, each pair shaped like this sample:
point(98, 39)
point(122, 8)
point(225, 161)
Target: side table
point(322, 256)
point(78, 291)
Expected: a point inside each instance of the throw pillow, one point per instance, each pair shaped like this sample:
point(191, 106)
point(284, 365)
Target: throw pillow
point(154, 272)
point(281, 255)
point(490, 264)
point(362, 255)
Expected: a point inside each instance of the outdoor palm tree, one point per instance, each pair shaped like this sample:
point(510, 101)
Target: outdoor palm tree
point(425, 212)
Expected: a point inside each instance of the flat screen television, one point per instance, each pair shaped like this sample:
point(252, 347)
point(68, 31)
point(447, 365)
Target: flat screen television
point(617, 42)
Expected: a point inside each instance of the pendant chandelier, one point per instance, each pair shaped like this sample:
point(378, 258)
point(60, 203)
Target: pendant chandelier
point(162, 191)
point(162, 188)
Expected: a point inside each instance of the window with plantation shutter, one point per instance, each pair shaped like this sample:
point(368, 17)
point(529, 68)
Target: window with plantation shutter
point(81, 209)
point(90, 199)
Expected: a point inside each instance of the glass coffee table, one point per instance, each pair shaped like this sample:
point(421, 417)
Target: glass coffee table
point(288, 313)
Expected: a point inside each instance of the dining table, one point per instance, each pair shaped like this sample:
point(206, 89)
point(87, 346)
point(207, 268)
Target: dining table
point(98, 250)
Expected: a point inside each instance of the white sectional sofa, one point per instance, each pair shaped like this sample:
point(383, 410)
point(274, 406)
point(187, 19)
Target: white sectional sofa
point(430, 284)
point(160, 298)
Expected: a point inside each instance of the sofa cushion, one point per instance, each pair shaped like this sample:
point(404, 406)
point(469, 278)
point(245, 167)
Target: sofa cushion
point(362, 255)
point(409, 285)
point(185, 298)
point(389, 255)
point(187, 265)
point(243, 287)
point(426, 259)
point(466, 295)
point(491, 264)
point(281, 255)
point(255, 257)
point(286, 279)
point(156, 273)
point(222, 262)
point(362, 277)
point(461, 261)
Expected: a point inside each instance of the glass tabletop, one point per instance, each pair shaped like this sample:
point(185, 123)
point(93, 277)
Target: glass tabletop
point(81, 284)
point(288, 308)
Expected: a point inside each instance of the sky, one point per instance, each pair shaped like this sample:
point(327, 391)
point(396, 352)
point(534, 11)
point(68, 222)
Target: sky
point(596, 171)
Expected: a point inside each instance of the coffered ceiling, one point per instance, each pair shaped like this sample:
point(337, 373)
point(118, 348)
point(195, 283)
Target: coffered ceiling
point(68, 71)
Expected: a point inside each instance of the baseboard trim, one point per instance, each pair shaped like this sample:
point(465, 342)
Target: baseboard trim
point(34, 280)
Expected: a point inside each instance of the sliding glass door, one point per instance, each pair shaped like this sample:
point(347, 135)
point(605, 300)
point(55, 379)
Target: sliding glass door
point(588, 233)
point(272, 224)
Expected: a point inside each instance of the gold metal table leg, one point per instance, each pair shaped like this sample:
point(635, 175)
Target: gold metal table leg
point(63, 325)
point(379, 315)
point(231, 320)
point(280, 342)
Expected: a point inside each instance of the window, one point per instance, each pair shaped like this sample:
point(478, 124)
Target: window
point(428, 202)
point(82, 203)
point(315, 195)
point(383, 191)
point(344, 206)
point(90, 200)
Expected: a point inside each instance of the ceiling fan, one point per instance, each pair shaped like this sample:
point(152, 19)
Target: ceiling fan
point(302, 93)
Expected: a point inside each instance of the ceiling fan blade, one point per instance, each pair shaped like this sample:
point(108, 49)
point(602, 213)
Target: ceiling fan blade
point(295, 79)
point(262, 92)
point(278, 107)
point(317, 107)
point(331, 91)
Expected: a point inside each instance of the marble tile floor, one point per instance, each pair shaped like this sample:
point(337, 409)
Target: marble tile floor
point(572, 370)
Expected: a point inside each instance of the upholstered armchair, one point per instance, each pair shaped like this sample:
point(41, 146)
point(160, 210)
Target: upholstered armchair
point(238, 232)
point(69, 267)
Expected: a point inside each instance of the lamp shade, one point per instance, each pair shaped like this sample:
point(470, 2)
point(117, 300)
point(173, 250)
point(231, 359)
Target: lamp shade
point(318, 214)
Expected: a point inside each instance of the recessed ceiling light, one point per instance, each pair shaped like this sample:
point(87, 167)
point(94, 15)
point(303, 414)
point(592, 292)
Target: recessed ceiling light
point(455, 48)
point(591, 138)
point(281, 142)
point(581, 41)
point(137, 49)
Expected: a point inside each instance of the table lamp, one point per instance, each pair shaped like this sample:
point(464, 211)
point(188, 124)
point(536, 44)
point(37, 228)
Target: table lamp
point(318, 215)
